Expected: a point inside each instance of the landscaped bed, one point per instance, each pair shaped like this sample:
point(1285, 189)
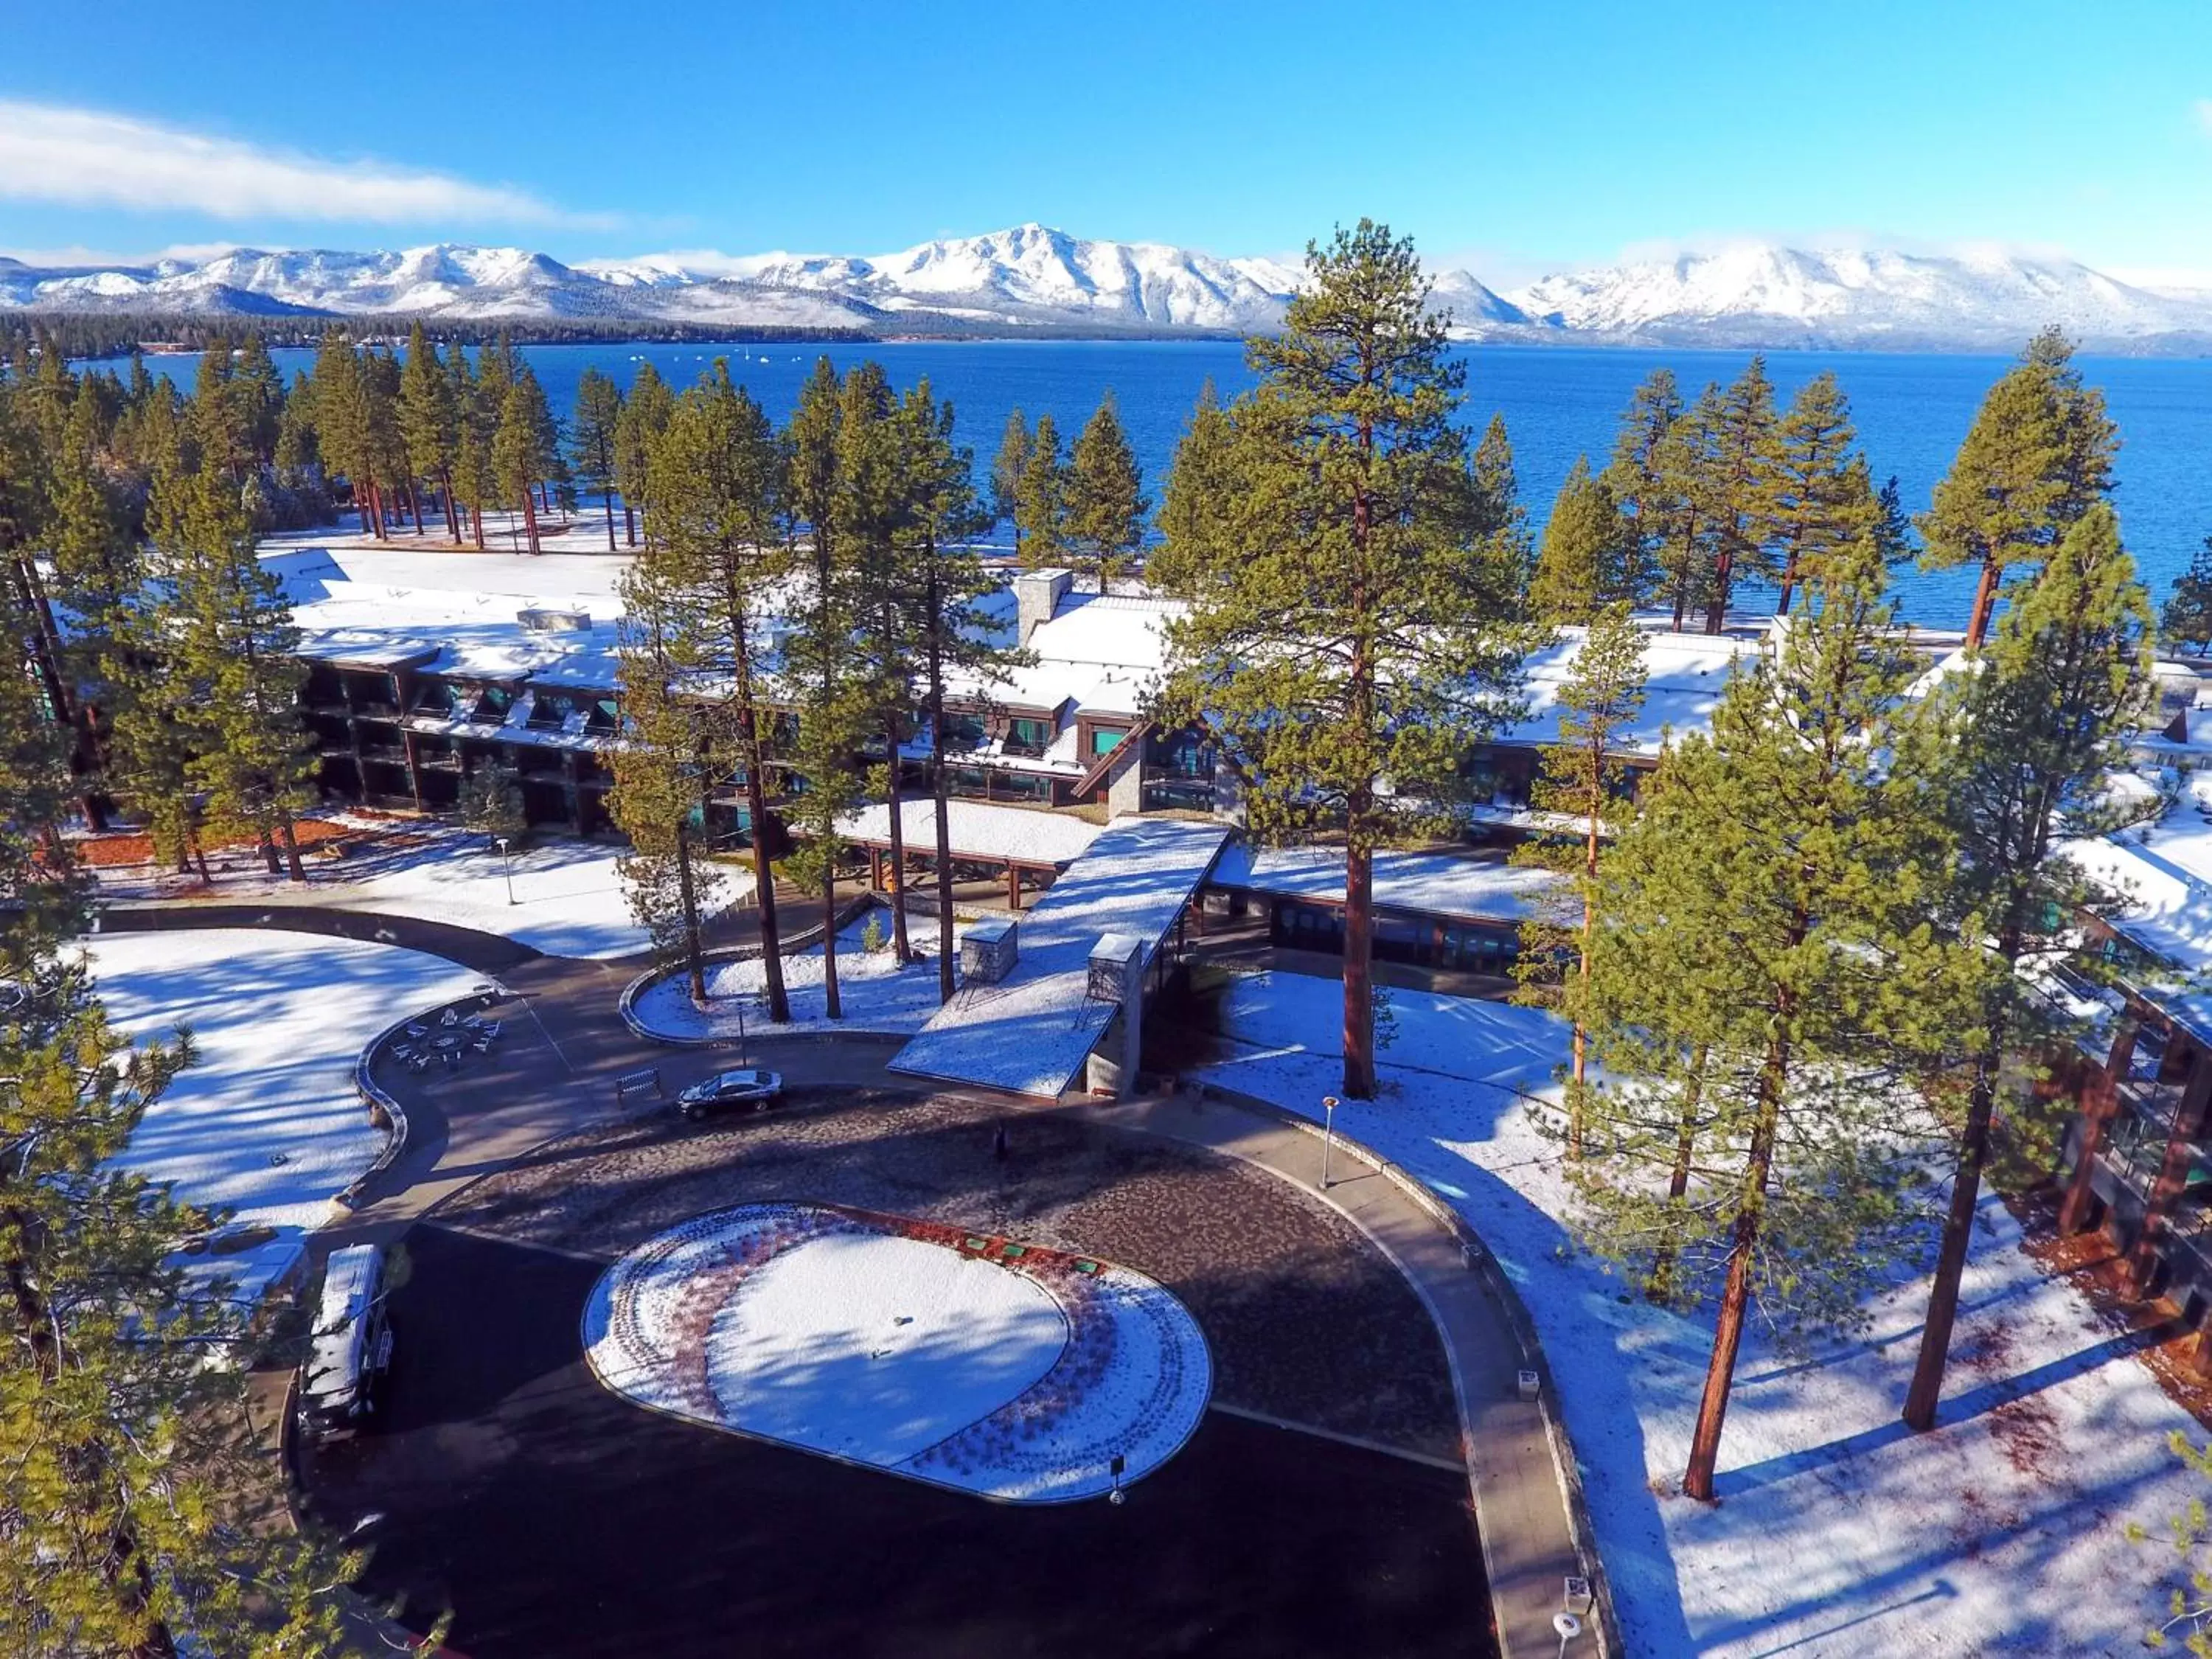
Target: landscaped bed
point(1001, 1367)
point(877, 992)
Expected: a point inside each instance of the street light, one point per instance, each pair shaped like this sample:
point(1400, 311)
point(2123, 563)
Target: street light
point(508, 858)
point(1568, 1627)
point(1328, 1136)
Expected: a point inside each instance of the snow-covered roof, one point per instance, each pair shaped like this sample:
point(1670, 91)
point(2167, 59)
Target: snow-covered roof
point(2160, 876)
point(1022, 835)
point(1441, 883)
point(1685, 674)
point(1030, 1032)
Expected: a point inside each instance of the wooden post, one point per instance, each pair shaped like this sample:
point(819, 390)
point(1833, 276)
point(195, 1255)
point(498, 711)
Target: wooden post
point(2173, 1173)
point(1013, 887)
point(2100, 1099)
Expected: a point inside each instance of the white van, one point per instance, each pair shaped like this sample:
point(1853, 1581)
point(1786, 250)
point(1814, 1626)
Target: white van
point(352, 1344)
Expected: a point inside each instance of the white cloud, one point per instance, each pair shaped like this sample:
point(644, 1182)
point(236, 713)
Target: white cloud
point(82, 157)
point(2200, 112)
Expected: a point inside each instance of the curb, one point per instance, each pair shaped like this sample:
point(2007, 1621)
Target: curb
point(1479, 1259)
point(384, 1109)
point(626, 1003)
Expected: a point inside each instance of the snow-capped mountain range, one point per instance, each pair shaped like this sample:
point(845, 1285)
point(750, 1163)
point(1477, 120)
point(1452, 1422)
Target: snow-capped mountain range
point(1033, 279)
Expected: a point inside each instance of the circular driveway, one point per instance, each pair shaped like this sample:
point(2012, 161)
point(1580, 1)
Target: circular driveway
point(1320, 1507)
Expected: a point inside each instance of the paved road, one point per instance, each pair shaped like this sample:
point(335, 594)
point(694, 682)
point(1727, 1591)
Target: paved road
point(565, 1043)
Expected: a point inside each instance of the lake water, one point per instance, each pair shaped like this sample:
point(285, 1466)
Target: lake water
point(1912, 411)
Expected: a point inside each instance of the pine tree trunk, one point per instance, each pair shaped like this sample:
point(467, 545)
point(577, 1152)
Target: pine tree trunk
point(1736, 1295)
point(293, 867)
point(940, 793)
point(779, 1002)
point(695, 962)
point(1716, 607)
point(530, 521)
point(476, 517)
point(414, 506)
point(630, 524)
point(361, 505)
point(199, 858)
point(269, 853)
point(1985, 599)
point(1581, 1072)
point(1926, 1391)
point(900, 953)
point(2100, 1098)
point(446, 502)
point(608, 495)
point(1661, 1283)
point(831, 1004)
point(1358, 969)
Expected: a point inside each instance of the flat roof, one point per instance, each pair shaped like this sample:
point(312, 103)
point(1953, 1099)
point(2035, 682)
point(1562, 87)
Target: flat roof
point(1443, 882)
point(1031, 1033)
point(979, 830)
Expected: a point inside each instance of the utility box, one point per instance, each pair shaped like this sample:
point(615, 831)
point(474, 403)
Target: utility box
point(988, 950)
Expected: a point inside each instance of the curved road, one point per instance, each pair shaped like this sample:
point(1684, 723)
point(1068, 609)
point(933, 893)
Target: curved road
point(564, 1043)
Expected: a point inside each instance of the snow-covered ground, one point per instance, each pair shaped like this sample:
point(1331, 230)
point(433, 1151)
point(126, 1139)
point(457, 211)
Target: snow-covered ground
point(875, 992)
point(266, 1124)
point(567, 900)
point(1839, 1532)
point(1008, 1371)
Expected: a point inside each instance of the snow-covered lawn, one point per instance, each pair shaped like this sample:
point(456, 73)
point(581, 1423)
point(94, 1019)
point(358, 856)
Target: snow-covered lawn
point(875, 992)
point(1009, 1371)
point(567, 900)
point(1839, 1532)
point(266, 1123)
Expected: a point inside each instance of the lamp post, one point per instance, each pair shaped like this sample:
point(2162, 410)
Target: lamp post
point(1568, 1627)
point(1328, 1136)
point(507, 859)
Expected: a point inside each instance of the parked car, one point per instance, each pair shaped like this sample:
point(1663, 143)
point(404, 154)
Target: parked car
point(352, 1344)
point(727, 1091)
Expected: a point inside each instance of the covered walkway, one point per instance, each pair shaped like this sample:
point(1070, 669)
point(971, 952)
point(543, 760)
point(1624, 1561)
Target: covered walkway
point(1031, 1033)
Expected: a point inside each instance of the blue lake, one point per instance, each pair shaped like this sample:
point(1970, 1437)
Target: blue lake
point(1912, 411)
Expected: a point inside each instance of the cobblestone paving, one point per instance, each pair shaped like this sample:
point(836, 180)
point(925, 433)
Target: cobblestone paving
point(1307, 1321)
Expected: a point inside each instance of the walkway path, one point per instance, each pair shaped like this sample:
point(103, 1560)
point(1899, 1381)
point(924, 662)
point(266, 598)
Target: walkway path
point(567, 1043)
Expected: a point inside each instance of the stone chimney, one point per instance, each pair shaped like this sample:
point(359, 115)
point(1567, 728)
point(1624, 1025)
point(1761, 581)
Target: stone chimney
point(1038, 594)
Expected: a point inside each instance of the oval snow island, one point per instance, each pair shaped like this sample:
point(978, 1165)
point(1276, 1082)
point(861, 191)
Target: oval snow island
point(987, 1364)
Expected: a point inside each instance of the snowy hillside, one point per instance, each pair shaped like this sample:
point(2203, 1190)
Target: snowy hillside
point(1762, 295)
point(1034, 278)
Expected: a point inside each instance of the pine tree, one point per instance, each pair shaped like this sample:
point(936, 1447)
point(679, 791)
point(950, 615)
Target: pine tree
point(520, 457)
point(430, 421)
point(1633, 476)
point(96, 575)
point(1105, 491)
point(1041, 499)
point(1581, 565)
point(342, 422)
point(1583, 786)
point(491, 802)
point(1350, 631)
point(2187, 618)
point(645, 416)
point(950, 630)
point(2041, 726)
point(840, 466)
point(1193, 501)
point(1768, 984)
point(385, 448)
point(594, 438)
point(2037, 457)
point(1739, 490)
point(713, 488)
point(660, 778)
point(1685, 461)
point(1007, 467)
point(1824, 498)
point(225, 634)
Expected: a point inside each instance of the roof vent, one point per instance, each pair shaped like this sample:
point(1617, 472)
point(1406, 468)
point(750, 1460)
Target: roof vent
point(539, 621)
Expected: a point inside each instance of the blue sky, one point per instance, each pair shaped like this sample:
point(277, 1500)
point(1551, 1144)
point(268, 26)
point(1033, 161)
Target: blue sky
point(1510, 138)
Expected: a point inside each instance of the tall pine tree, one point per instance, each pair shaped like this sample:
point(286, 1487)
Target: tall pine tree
point(1106, 504)
point(1351, 634)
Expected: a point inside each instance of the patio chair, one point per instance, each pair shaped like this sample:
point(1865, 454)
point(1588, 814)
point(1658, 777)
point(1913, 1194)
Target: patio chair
point(451, 1016)
point(415, 1030)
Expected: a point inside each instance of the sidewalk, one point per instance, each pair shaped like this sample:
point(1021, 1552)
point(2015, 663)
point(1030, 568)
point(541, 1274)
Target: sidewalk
point(1521, 1511)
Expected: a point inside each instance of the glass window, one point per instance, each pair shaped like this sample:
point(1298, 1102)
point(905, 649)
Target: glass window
point(1105, 739)
point(1028, 734)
